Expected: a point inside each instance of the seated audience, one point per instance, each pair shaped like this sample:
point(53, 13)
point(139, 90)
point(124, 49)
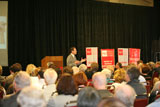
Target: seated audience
point(50, 77)
point(21, 80)
point(67, 91)
point(118, 65)
point(155, 91)
point(75, 70)
point(152, 67)
point(119, 77)
point(111, 102)
point(41, 78)
point(2, 78)
point(80, 79)
point(132, 80)
point(68, 69)
point(14, 69)
point(88, 97)
point(92, 70)
point(99, 83)
point(53, 66)
point(31, 97)
point(30, 69)
point(126, 94)
point(2, 92)
point(83, 67)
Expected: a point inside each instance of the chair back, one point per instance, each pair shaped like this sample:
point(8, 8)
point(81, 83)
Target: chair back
point(141, 102)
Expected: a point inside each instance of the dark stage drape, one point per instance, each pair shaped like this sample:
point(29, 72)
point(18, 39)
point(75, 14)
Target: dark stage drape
point(39, 28)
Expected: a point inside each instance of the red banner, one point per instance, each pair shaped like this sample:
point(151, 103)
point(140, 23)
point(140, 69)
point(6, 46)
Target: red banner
point(107, 57)
point(134, 55)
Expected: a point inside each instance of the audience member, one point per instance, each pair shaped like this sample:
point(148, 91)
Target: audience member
point(30, 69)
point(41, 78)
point(50, 77)
point(2, 78)
point(21, 80)
point(75, 70)
point(99, 83)
point(155, 91)
point(92, 70)
point(66, 89)
point(31, 97)
point(83, 67)
point(132, 80)
point(118, 65)
point(68, 69)
point(80, 79)
point(14, 69)
point(126, 94)
point(88, 97)
point(119, 77)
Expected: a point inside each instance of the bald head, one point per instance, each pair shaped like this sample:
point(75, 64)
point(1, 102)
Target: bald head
point(99, 80)
point(126, 94)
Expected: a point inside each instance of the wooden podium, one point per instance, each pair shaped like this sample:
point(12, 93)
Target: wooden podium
point(57, 60)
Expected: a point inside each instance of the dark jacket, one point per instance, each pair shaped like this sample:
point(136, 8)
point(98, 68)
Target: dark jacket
point(139, 88)
point(10, 101)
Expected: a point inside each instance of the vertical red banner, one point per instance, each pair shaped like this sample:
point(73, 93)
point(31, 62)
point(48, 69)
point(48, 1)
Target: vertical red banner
point(107, 57)
point(134, 55)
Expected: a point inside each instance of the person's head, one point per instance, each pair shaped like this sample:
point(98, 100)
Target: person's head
point(119, 75)
point(107, 72)
point(156, 79)
point(82, 67)
point(157, 64)
point(156, 86)
point(139, 61)
point(146, 68)
point(21, 80)
point(30, 69)
point(68, 69)
point(31, 97)
point(80, 78)
point(111, 102)
point(88, 97)
point(118, 65)
point(132, 74)
point(50, 76)
point(41, 74)
point(152, 65)
point(99, 80)
point(1, 70)
point(126, 94)
point(75, 70)
point(66, 85)
point(15, 67)
point(110, 67)
point(51, 65)
point(73, 50)
point(94, 66)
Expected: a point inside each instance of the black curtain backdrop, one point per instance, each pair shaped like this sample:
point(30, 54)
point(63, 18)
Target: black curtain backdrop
point(39, 28)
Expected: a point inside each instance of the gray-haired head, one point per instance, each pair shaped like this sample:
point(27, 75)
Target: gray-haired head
point(31, 97)
point(126, 94)
point(22, 79)
point(82, 67)
point(88, 97)
point(50, 76)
